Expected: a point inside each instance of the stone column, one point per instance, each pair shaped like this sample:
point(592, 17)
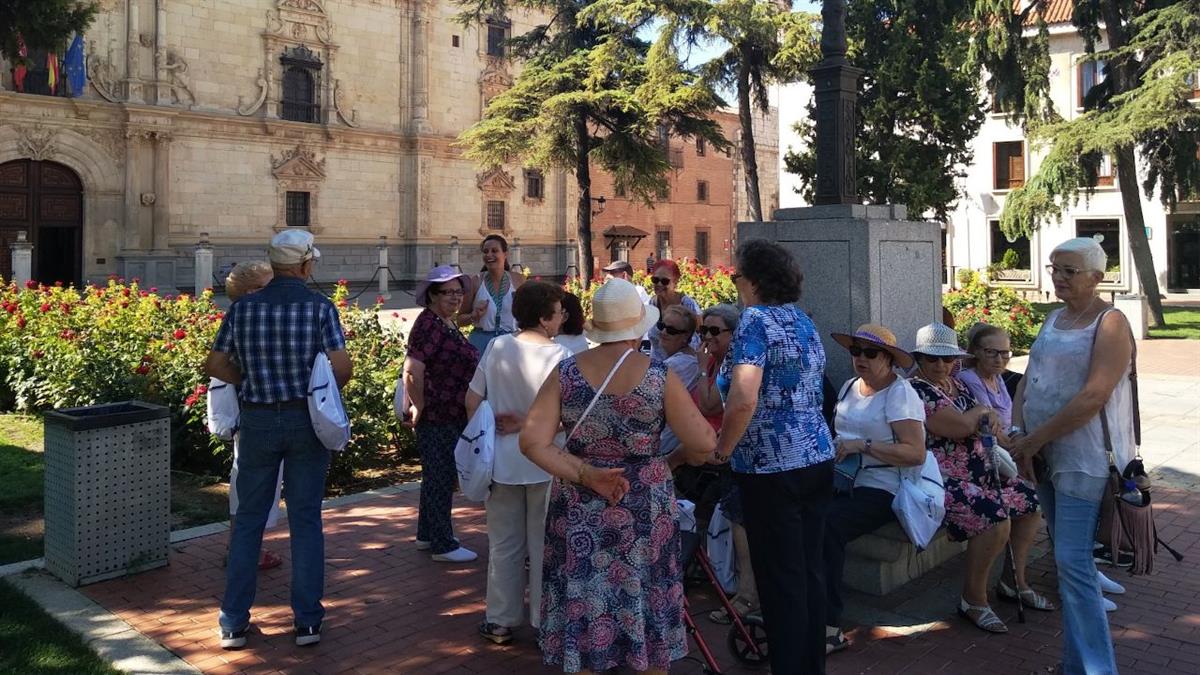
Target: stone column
point(162, 89)
point(383, 269)
point(420, 72)
point(160, 211)
point(835, 91)
point(514, 255)
point(22, 259)
point(204, 264)
point(454, 253)
point(133, 81)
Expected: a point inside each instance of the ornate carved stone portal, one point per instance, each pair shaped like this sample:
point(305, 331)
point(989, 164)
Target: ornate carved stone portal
point(496, 185)
point(298, 170)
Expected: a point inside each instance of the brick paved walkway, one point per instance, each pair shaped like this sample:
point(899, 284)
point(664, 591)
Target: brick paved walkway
point(391, 609)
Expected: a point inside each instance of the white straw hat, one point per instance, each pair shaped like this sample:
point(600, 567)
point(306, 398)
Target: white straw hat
point(938, 339)
point(618, 313)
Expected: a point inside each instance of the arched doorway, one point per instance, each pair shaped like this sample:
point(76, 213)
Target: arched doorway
point(44, 200)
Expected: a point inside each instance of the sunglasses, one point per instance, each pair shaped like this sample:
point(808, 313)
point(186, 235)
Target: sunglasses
point(671, 330)
point(868, 352)
point(711, 331)
point(660, 281)
point(930, 358)
point(993, 353)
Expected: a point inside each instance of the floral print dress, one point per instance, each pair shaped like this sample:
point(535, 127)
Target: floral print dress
point(974, 501)
point(612, 583)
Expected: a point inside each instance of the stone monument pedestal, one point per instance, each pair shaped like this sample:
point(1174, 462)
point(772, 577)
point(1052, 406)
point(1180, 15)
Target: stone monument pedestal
point(861, 264)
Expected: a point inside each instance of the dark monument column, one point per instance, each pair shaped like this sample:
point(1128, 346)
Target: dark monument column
point(835, 84)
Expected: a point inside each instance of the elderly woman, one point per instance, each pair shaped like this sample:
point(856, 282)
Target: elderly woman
point(570, 334)
point(664, 278)
point(510, 373)
point(437, 370)
point(880, 426)
point(982, 508)
point(490, 294)
point(676, 329)
point(1078, 373)
point(990, 350)
point(612, 578)
point(781, 451)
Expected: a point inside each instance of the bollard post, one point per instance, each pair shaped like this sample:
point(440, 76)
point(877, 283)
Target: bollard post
point(454, 253)
point(514, 255)
point(204, 265)
point(383, 269)
point(22, 259)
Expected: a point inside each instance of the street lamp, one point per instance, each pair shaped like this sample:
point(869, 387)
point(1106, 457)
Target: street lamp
point(600, 201)
point(835, 89)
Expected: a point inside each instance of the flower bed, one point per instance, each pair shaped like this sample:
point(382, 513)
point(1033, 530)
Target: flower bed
point(708, 286)
point(976, 301)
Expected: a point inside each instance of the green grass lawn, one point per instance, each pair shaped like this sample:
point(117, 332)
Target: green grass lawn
point(33, 643)
point(1183, 323)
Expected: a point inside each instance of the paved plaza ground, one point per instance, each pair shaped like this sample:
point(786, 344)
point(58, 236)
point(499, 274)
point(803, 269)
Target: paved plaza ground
point(391, 609)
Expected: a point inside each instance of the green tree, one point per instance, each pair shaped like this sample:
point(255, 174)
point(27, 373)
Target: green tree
point(590, 91)
point(42, 24)
point(1140, 110)
point(919, 105)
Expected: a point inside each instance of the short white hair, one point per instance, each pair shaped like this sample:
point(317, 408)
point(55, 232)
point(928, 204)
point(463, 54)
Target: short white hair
point(1094, 258)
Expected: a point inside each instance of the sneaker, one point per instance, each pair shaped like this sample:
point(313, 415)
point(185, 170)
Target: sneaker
point(423, 545)
point(1109, 586)
point(835, 640)
point(458, 555)
point(1103, 556)
point(234, 639)
point(501, 635)
point(306, 636)
point(1109, 605)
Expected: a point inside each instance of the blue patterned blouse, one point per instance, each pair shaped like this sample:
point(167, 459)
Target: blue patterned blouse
point(787, 431)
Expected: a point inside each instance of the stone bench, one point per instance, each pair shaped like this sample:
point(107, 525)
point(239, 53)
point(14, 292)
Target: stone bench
point(882, 561)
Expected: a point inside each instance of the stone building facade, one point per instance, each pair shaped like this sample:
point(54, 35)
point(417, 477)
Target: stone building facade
point(230, 120)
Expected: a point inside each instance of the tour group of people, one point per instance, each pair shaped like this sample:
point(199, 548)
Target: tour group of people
point(582, 514)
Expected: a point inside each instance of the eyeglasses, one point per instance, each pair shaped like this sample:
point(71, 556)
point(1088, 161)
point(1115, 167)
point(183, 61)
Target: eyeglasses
point(712, 331)
point(868, 352)
point(734, 277)
point(671, 330)
point(660, 281)
point(993, 353)
point(1065, 272)
point(458, 293)
point(930, 358)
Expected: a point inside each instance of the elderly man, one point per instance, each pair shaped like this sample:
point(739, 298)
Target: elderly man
point(623, 270)
point(266, 346)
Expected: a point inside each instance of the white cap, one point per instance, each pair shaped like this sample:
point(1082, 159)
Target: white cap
point(292, 247)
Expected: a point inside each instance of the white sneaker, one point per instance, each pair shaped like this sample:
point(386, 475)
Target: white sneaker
point(458, 555)
point(1109, 586)
point(1109, 605)
point(423, 545)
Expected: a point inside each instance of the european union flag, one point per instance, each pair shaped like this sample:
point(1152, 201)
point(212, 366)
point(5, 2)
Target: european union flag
point(74, 67)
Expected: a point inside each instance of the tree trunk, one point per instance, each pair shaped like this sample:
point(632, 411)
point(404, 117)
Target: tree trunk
point(749, 160)
point(1131, 197)
point(583, 177)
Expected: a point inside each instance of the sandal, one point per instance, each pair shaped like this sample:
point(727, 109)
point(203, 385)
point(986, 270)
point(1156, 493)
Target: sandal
point(741, 606)
point(501, 635)
point(269, 560)
point(1029, 597)
point(836, 641)
point(985, 619)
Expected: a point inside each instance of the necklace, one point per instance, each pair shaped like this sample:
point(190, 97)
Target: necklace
point(1080, 315)
point(498, 294)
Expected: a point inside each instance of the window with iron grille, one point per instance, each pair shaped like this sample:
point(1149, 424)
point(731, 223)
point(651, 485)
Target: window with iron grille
point(701, 146)
point(300, 101)
point(701, 191)
point(497, 36)
point(619, 190)
point(662, 244)
point(297, 209)
point(495, 215)
point(702, 247)
point(534, 184)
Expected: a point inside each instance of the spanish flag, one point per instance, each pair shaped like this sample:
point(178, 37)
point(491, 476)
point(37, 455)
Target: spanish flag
point(20, 70)
point(52, 71)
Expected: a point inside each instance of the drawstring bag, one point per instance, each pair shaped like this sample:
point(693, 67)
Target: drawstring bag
point(720, 550)
point(224, 411)
point(329, 419)
point(920, 503)
point(475, 454)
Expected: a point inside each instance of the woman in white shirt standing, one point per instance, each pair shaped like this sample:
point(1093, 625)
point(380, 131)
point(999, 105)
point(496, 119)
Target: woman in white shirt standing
point(880, 425)
point(509, 376)
point(491, 294)
point(570, 334)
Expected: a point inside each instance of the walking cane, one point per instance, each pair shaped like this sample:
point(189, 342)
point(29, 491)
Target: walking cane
point(989, 444)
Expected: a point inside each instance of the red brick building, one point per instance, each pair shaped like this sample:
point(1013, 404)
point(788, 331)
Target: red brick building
point(698, 217)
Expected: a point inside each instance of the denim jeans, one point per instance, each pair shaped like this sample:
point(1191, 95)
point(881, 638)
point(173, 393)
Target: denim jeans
point(268, 437)
point(1087, 641)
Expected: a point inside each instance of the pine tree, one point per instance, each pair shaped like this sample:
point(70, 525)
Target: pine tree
point(591, 91)
point(42, 24)
point(919, 106)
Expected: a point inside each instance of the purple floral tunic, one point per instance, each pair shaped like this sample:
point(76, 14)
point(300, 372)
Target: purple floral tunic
point(612, 582)
point(973, 503)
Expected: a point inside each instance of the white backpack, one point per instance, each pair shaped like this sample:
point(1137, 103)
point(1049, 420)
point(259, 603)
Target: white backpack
point(329, 419)
point(224, 411)
point(475, 454)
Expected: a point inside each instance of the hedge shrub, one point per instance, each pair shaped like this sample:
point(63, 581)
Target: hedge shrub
point(975, 301)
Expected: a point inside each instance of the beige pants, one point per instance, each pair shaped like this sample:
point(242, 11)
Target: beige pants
point(516, 522)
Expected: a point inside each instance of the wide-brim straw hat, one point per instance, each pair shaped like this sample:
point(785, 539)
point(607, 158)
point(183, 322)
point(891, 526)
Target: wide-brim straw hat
point(938, 339)
point(618, 313)
point(437, 275)
point(879, 336)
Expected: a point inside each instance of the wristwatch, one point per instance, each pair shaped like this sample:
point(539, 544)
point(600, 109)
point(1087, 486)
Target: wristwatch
point(866, 447)
point(1015, 430)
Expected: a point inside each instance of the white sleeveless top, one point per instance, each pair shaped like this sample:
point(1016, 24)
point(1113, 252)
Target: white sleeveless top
point(487, 322)
point(1058, 368)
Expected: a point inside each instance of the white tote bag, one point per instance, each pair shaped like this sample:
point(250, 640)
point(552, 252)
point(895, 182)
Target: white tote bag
point(720, 550)
point(920, 504)
point(224, 411)
point(475, 454)
point(325, 408)
point(400, 401)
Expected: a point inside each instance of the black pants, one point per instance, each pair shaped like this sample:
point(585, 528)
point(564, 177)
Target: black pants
point(850, 516)
point(785, 523)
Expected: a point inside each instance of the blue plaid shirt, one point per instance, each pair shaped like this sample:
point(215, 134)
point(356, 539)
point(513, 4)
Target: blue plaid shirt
point(788, 430)
point(275, 334)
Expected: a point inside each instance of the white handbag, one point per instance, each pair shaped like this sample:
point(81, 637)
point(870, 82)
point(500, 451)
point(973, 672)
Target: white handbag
point(475, 454)
point(920, 503)
point(325, 408)
point(224, 411)
point(400, 401)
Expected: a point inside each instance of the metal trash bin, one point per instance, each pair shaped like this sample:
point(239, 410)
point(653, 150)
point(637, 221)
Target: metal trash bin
point(107, 490)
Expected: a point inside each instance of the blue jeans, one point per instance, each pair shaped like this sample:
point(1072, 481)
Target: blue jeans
point(269, 437)
point(1087, 642)
point(480, 338)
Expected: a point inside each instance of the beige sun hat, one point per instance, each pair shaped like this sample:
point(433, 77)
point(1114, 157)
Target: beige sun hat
point(618, 313)
point(879, 336)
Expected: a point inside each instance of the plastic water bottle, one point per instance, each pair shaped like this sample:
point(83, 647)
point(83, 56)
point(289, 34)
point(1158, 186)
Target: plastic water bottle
point(989, 441)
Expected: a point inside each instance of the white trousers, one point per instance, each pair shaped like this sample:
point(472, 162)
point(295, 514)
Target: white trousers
point(273, 516)
point(516, 522)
